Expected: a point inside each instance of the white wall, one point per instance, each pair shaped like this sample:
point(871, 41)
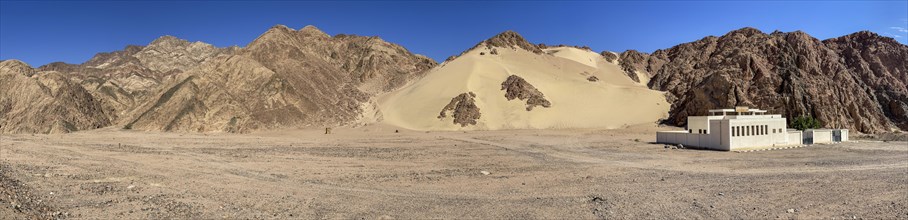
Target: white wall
point(698, 124)
point(757, 132)
point(795, 137)
point(708, 141)
point(819, 135)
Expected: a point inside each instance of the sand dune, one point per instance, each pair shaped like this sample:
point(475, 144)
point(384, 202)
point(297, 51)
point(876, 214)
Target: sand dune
point(561, 74)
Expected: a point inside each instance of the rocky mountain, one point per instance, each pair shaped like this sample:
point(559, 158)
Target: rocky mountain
point(45, 102)
point(856, 81)
point(305, 77)
point(284, 78)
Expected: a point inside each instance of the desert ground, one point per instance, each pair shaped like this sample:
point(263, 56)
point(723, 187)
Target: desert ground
point(373, 172)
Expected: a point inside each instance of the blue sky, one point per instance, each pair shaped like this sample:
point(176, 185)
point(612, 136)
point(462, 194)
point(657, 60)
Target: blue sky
point(42, 32)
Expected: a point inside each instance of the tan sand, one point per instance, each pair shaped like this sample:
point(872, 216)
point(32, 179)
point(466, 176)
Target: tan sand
point(373, 172)
point(615, 101)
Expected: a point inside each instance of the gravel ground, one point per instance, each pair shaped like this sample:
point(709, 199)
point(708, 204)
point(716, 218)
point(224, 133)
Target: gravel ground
point(374, 173)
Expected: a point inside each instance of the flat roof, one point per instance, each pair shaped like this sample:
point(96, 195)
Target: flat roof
point(733, 110)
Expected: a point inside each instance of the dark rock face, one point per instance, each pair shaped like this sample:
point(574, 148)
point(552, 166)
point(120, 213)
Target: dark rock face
point(881, 64)
point(463, 108)
point(517, 87)
point(609, 56)
point(592, 79)
point(856, 81)
point(632, 61)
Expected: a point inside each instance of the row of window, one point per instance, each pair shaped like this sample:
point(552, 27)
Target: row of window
point(752, 130)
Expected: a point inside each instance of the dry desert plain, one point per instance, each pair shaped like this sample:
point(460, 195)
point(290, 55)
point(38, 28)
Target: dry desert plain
point(372, 172)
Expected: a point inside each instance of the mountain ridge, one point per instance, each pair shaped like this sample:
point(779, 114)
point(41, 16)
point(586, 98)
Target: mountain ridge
point(306, 77)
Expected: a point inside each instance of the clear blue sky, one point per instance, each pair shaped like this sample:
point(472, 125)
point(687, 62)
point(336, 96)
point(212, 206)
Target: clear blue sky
point(43, 32)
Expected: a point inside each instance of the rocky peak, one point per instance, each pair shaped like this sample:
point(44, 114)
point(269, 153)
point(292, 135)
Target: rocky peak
point(864, 37)
point(511, 39)
point(168, 41)
point(277, 33)
point(280, 28)
point(313, 31)
point(15, 67)
point(746, 31)
point(169, 53)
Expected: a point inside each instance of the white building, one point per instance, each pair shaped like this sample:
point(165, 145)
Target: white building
point(734, 129)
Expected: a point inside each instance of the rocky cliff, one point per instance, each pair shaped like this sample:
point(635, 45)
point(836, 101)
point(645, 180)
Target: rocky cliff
point(856, 81)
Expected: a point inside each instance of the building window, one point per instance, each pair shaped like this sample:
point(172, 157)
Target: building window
point(734, 131)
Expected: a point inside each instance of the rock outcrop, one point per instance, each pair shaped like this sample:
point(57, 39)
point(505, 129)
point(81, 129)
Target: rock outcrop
point(508, 40)
point(632, 62)
point(609, 56)
point(511, 39)
point(856, 81)
point(463, 109)
point(518, 88)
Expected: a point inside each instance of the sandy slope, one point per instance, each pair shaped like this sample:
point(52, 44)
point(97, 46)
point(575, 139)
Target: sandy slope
point(560, 74)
